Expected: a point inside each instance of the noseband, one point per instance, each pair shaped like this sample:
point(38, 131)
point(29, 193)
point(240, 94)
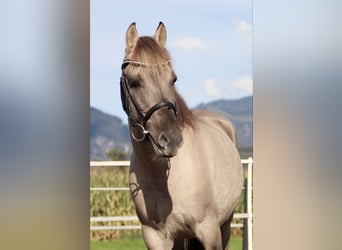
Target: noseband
point(126, 96)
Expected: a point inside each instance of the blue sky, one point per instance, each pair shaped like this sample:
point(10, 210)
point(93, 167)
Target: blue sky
point(210, 43)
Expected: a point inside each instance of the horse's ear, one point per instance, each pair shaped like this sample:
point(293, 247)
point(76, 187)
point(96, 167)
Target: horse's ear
point(160, 35)
point(131, 37)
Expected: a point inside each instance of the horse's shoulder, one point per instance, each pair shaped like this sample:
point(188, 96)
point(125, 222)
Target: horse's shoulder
point(222, 122)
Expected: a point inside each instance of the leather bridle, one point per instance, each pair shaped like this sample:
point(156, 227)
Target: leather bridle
point(126, 98)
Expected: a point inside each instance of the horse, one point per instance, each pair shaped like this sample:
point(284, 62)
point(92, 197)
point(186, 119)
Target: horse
point(185, 174)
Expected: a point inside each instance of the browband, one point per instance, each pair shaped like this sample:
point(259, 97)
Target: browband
point(141, 64)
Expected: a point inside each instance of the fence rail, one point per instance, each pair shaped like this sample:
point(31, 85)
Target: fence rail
point(247, 216)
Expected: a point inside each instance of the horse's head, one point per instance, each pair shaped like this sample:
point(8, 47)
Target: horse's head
point(148, 93)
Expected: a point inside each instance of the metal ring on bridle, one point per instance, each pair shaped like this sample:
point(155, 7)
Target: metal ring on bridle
point(144, 132)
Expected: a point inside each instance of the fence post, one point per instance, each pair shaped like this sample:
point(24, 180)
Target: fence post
point(247, 243)
point(245, 224)
point(250, 204)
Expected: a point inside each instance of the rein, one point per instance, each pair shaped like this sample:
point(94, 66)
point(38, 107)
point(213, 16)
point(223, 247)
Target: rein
point(126, 96)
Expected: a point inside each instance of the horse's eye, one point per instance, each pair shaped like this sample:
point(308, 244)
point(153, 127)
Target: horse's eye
point(134, 83)
point(174, 80)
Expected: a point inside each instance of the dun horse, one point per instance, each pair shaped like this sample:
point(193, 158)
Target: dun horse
point(185, 174)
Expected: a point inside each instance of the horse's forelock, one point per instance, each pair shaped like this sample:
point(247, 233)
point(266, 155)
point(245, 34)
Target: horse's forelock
point(153, 58)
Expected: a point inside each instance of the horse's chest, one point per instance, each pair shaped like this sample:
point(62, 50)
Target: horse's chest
point(154, 207)
point(152, 202)
point(172, 204)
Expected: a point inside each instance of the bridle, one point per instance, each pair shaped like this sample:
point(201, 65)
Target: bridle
point(126, 96)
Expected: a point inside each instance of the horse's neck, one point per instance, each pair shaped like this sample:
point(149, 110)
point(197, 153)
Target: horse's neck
point(147, 161)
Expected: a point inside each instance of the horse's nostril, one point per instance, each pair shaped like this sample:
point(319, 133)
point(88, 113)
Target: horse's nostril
point(162, 140)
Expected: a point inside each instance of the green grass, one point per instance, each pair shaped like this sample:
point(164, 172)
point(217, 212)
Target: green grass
point(127, 243)
point(136, 243)
point(236, 243)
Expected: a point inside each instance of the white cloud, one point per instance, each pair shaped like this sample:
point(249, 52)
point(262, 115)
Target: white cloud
point(243, 29)
point(211, 88)
point(236, 88)
point(242, 85)
point(189, 43)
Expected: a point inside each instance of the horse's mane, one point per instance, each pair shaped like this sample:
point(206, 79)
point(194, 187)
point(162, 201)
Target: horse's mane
point(158, 62)
point(185, 116)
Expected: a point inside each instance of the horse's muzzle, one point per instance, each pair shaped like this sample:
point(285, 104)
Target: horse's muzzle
point(168, 143)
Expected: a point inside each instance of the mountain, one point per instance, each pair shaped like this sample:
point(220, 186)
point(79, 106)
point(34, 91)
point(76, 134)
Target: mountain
point(107, 131)
point(240, 112)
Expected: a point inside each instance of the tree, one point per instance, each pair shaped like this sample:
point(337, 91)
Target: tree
point(115, 154)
